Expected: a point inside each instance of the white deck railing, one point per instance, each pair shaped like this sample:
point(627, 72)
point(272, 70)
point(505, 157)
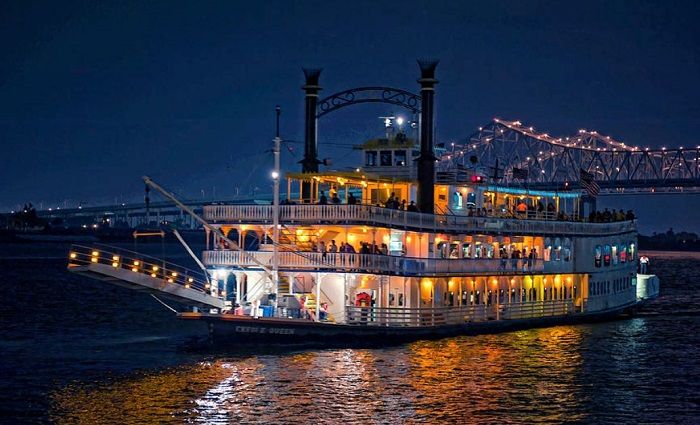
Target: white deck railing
point(368, 263)
point(370, 215)
point(399, 316)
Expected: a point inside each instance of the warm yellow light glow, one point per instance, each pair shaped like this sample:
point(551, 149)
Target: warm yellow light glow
point(155, 268)
point(137, 262)
point(72, 255)
point(170, 280)
point(174, 274)
point(115, 258)
point(115, 264)
point(134, 269)
point(94, 259)
point(408, 239)
point(190, 280)
point(187, 285)
point(153, 275)
point(95, 253)
point(495, 282)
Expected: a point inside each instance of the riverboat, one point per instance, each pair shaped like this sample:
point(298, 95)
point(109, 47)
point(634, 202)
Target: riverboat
point(355, 260)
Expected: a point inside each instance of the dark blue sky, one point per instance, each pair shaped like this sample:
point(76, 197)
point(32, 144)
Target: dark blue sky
point(92, 96)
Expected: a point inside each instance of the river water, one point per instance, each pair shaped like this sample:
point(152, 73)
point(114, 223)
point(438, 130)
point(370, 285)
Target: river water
point(74, 350)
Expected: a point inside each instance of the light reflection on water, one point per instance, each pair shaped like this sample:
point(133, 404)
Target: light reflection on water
point(531, 376)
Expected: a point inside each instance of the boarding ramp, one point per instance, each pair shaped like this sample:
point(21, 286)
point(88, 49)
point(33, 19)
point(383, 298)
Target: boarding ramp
point(141, 272)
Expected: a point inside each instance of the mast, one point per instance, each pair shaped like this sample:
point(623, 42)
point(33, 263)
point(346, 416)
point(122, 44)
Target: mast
point(276, 205)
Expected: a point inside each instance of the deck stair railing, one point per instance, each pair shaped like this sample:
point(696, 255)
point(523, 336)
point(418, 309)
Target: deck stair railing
point(372, 215)
point(405, 266)
point(118, 258)
point(439, 316)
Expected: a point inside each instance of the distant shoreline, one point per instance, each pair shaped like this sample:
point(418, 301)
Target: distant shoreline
point(670, 254)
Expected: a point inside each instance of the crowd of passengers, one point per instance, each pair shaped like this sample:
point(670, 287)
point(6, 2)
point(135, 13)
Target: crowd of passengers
point(365, 248)
point(521, 210)
point(607, 216)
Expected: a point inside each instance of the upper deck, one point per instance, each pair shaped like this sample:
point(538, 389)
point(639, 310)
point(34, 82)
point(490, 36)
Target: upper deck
point(401, 219)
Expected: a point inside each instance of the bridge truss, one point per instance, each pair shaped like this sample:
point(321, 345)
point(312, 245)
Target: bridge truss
point(555, 162)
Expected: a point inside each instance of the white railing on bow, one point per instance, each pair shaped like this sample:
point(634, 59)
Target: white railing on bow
point(368, 263)
point(439, 316)
point(371, 215)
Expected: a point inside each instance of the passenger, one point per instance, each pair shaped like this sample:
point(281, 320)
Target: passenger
point(454, 253)
point(323, 200)
point(349, 248)
point(629, 216)
point(643, 264)
point(607, 216)
point(384, 249)
point(322, 249)
point(412, 207)
point(351, 199)
point(403, 205)
point(364, 248)
point(521, 208)
point(620, 215)
point(335, 199)
point(333, 248)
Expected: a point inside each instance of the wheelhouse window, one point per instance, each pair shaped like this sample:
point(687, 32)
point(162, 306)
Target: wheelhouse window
point(598, 256)
point(385, 158)
point(371, 158)
point(400, 158)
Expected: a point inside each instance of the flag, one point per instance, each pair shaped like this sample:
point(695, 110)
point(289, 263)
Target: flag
point(589, 184)
point(519, 173)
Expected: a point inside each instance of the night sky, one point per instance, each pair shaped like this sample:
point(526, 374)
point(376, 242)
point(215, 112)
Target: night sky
point(92, 96)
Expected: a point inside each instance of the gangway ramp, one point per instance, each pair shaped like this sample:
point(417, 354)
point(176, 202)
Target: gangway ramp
point(143, 273)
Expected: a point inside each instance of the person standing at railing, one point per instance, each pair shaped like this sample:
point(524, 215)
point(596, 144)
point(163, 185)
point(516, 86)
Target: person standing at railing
point(412, 207)
point(335, 200)
point(322, 200)
point(351, 199)
point(333, 249)
point(322, 249)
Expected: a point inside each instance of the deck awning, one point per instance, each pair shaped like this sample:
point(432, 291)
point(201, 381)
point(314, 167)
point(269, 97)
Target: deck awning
point(357, 178)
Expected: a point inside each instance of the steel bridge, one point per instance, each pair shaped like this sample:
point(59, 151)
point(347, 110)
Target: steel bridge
point(550, 162)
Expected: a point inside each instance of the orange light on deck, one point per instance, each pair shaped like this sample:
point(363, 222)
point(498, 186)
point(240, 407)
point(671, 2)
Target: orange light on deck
point(187, 285)
point(206, 286)
point(134, 269)
point(155, 268)
point(93, 259)
point(153, 275)
point(136, 262)
point(174, 274)
point(95, 253)
point(170, 280)
point(115, 258)
point(190, 280)
point(115, 264)
point(73, 255)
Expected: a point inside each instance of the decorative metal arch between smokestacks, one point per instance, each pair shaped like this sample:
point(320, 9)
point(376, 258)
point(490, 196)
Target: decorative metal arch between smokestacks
point(403, 98)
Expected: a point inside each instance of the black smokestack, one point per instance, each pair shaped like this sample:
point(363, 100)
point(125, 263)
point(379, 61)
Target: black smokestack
point(310, 162)
point(426, 160)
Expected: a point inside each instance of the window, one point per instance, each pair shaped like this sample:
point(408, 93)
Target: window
point(598, 255)
point(606, 255)
point(385, 158)
point(400, 158)
point(371, 158)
